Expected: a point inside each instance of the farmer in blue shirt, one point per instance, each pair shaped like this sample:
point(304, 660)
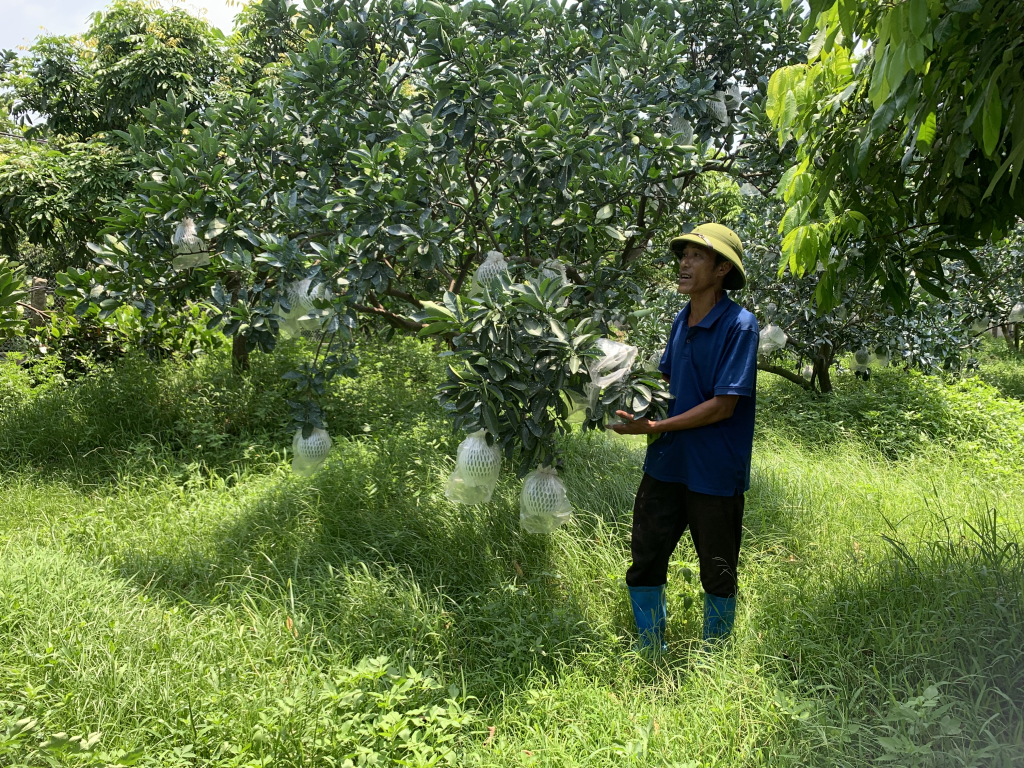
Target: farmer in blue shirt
point(698, 459)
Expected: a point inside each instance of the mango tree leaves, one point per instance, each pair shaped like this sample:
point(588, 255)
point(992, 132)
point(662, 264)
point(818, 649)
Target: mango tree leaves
point(923, 136)
point(12, 282)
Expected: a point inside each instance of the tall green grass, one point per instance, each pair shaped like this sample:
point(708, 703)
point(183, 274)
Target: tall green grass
point(166, 583)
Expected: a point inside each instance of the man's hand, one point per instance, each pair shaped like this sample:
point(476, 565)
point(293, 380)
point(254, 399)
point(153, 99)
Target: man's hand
point(633, 426)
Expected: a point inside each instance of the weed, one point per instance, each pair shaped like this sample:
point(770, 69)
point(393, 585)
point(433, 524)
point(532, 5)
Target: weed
point(171, 595)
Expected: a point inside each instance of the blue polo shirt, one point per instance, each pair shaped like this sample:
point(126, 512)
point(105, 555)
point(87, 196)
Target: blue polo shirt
point(718, 356)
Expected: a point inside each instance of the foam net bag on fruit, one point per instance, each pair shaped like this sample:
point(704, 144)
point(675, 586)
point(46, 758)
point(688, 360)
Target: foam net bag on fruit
point(477, 466)
point(543, 504)
point(493, 266)
point(310, 453)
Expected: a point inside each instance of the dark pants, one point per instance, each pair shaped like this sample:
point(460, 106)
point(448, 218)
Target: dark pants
point(661, 513)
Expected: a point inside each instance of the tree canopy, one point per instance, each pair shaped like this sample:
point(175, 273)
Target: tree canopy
point(405, 141)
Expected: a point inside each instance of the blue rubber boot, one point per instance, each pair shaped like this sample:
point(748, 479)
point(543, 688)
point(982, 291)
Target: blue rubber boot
point(649, 612)
point(719, 616)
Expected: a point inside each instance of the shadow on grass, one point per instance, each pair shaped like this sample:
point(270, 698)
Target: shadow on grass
point(928, 639)
point(368, 557)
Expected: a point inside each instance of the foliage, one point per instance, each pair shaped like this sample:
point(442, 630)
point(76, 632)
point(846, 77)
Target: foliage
point(370, 714)
point(197, 603)
point(60, 181)
point(11, 291)
point(81, 342)
point(55, 195)
point(109, 410)
point(523, 351)
point(929, 333)
point(406, 140)
point(132, 54)
point(908, 154)
point(264, 34)
point(992, 296)
point(901, 413)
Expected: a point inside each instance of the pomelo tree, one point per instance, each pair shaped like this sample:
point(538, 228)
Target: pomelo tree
point(405, 141)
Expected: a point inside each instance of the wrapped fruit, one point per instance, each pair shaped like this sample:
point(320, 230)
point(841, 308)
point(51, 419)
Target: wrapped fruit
point(477, 466)
point(310, 453)
point(543, 504)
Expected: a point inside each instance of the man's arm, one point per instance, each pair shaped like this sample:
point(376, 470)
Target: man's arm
point(710, 411)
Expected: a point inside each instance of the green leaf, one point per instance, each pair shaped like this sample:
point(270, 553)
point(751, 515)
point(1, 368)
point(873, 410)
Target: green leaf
point(966, 6)
point(419, 131)
point(926, 134)
point(992, 118)
point(605, 212)
point(216, 228)
point(846, 18)
point(918, 17)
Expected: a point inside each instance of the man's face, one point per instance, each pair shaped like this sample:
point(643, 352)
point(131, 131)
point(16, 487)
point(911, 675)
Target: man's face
point(697, 270)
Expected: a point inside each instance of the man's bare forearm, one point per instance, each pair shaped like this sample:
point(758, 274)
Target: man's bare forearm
point(708, 412)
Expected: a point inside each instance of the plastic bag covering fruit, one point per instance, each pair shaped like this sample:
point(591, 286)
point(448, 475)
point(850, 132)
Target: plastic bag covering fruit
point(543, 505)
point(807, 372)
point(185, 238)
point(553, 268)
point(190, 260)
point(189, 246)
point(771, 339)
point(301, 298)
point(476, 471)
point(1016, 314)
point(615, 362)
point(310, 453)
point(493, 266)
point(880, 357)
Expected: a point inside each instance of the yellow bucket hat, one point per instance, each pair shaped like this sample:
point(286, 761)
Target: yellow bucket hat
point(721, 240)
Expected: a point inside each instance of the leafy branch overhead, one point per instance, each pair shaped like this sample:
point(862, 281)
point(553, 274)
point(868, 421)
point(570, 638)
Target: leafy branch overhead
point(522, 357)
point(908, 124)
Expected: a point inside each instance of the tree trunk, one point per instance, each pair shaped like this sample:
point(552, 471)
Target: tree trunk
point(1008, 336)
point(822, 363)
point(37, 298)
point(239, 354)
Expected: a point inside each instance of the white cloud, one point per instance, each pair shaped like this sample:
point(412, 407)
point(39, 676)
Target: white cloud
point(24, 20)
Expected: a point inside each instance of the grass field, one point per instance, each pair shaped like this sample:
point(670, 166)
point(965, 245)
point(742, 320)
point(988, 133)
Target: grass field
point(170, 594)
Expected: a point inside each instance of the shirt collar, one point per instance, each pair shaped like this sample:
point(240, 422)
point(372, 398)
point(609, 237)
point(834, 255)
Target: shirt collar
point(709, 319)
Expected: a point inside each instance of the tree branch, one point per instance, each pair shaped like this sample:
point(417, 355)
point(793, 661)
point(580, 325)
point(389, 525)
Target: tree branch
point(38, 311)
point(396, 321)
point(787, 374)
point(456, 285)
point(398, 293)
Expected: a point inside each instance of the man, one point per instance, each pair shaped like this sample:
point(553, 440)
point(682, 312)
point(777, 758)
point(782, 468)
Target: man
point(698, 459)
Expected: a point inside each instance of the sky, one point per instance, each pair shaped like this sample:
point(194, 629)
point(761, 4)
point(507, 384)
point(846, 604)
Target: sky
point(23, 20)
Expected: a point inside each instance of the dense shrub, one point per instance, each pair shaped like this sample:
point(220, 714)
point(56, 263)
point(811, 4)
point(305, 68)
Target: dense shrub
point(199, 408)
point(900, 413)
